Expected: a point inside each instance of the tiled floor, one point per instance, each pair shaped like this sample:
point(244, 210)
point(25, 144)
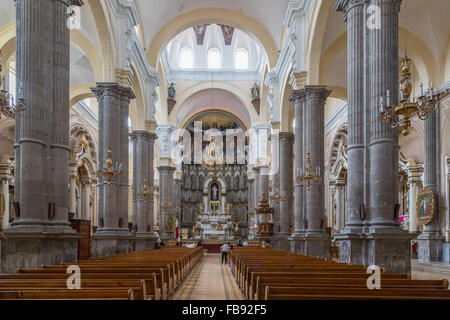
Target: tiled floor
point(210, 280)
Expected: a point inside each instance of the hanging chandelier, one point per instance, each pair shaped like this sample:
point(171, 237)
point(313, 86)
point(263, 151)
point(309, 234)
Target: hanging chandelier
point(400, 115)
point(8, 107)
point(308, 175)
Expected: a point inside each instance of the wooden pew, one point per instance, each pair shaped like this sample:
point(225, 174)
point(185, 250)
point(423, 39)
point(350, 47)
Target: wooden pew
point(152, 274)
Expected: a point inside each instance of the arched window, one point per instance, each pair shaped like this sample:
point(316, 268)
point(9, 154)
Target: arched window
point(214, 59)
point(186, 58)
point(241, 59)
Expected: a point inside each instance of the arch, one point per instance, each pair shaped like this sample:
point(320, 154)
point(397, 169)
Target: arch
point(104, 35)
point(337, 156)
point(8, 35)
point(320, 13)
point(211, 16)
point(79, 93)
point(210, 180)
point(240, 94)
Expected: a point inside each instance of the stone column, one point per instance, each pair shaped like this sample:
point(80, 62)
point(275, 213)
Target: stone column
point(351, 244)
point(415, 180)
point(317, 242)
point(86, 209)
point(275, 174)
point(388, 245)
point(167, 212)
point(286, 176)
point(42, 139)
point(72, 196)
point(143, 145)
point(5, 178)
point(298, 98)
point(373, 235)
point(431, 240)
point(112, 236)
point(340, 204)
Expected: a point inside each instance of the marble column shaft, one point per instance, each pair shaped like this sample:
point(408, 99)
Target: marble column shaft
point(383, 143)
point(143, 149)
point(41, 233)
point(431, 240)
point(298, 97)
point(42, 132)
point(314, 137)
point(414, 178)
point(356, 21)
point(286, 176)
point(166, 187)
point(113, 101)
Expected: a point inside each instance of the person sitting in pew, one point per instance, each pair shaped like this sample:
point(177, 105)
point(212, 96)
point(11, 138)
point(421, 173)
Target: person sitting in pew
point(157, 246)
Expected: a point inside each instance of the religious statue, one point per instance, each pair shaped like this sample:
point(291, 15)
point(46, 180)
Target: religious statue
point(214, 192)
point(171, 91)
point(255, 92)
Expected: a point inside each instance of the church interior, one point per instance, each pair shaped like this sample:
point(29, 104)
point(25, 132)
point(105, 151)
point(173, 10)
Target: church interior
point(139, 137)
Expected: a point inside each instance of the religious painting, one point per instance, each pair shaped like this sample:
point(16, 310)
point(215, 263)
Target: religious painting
point(200, 31)
point(425, 206)
point(214, 192)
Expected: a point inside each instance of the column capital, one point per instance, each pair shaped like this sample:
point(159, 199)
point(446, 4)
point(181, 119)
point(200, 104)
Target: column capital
point(143, 134)
point(111, 89)
point(69, 3)
point(316, 92)
point(286, 136)
point(346, 5)
point(297, 95)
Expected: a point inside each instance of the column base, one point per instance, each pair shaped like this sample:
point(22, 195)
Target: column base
point(108, 242)
point(145, 241)
point(446, 252)
point(391, 251)
point(280, 242)
point(30, 250)
point(297, 243)
point(430, 246)
point(351, 248)
point(317, 245)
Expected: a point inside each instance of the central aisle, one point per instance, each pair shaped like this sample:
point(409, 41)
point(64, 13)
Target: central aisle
point(209, 280)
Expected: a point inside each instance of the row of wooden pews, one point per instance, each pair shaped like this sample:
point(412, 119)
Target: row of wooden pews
point(145, 275)
point(267, 274)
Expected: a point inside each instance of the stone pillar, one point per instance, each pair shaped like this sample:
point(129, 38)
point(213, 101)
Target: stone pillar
point(298, 98)
point(275, 174)
point(317, 242)
point(373, 235)
point(351, 244)
point(86, 209)
point(415, 181)
point(72, 187)
point(167, 212)
point(143, 146)
point(431, 240)
point(340, 204)
point(112, 236)
point(286, 176)
point(5, 178)
point(41, 233)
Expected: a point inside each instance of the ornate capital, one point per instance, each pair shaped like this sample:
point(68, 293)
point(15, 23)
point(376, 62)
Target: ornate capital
point(112, 89)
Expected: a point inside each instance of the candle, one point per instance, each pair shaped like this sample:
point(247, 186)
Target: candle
point(388, 98)
point(421, 88)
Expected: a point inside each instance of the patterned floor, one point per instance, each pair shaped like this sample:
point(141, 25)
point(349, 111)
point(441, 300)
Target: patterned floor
point(209, 280)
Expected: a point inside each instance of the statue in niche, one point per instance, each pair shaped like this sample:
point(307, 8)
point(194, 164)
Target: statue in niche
point(255, 91)
point(171, 91)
